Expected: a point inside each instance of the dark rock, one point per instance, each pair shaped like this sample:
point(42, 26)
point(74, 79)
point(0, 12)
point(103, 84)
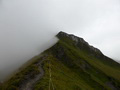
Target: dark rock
point(79, 42)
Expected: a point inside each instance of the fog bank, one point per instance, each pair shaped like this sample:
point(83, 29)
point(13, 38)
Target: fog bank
point(28, 27)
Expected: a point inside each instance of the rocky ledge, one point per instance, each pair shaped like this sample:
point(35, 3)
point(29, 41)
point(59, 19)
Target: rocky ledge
point(80, 42)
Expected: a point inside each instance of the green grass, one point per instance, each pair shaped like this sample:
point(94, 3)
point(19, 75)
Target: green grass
point(99, 71)
point(29, 70)
point(111, 70)
point(72, 68)
point(62, 77)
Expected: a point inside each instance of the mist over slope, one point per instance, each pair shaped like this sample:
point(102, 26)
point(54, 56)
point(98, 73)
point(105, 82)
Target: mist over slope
point(24, 33)
point(70, 64)
point(18, 55)
point(26, 26)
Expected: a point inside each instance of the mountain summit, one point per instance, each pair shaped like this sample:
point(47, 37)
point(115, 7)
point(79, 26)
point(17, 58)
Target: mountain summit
point(70, 64)
point(80, 42)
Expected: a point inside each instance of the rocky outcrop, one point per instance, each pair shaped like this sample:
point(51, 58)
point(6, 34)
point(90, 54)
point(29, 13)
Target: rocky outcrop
point(79, 42)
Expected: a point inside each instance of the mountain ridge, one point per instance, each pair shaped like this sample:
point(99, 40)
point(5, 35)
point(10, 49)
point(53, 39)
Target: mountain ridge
point(82, 41)
point(70, 64)
point(77, 40)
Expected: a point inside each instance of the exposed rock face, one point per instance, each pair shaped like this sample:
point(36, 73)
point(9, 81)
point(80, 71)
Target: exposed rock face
point(79, 42)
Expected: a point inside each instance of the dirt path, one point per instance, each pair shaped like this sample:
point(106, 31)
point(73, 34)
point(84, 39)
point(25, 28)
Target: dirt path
point(28, 85)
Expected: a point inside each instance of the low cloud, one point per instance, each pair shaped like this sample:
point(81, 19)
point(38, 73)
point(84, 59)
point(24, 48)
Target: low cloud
point(26, 27)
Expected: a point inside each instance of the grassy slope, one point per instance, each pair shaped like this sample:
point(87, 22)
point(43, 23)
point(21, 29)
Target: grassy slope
point(62, 77)
point(77, 70)
point(112, 70)
point(29, 70)
point(71, 69)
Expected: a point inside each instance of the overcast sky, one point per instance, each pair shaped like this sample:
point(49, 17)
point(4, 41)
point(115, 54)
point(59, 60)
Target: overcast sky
point(28, 27)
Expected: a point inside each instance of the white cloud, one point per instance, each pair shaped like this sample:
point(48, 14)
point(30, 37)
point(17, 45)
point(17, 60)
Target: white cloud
point(27, 25)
